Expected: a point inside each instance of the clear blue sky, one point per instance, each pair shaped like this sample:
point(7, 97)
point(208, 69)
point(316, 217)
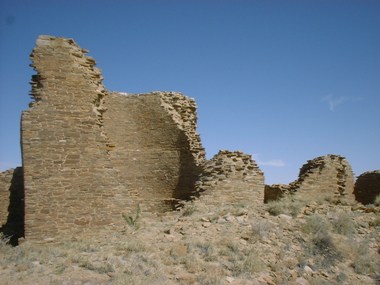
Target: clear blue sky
point(286, 81)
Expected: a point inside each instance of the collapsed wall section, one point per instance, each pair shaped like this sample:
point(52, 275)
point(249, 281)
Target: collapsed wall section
point(231, 178)
point(328, 177)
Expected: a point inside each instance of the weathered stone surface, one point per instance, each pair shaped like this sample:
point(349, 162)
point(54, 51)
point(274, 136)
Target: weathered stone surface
point(275, 191)
point(89, 155)
point(367, 187)
point(12, 203)
point(231, 178)
point(328, 177)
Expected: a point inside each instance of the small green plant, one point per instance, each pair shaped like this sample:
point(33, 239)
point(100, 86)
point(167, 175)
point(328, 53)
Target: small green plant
point(133, 222)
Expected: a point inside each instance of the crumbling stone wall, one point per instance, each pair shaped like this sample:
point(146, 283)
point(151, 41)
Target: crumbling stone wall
point(367, 187)
point(158, 157)
point(89, 155)
point(328, 177)
point(231, 178)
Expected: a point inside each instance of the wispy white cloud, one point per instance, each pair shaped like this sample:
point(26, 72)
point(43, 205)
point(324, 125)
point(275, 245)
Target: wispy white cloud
point(333, 101)
point(272, 162)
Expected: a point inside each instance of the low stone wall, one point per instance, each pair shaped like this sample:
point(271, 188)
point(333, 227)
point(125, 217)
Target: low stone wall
point(231, 178)
point(327, 177)
point(367, 187)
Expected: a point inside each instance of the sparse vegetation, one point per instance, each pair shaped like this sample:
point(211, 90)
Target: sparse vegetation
point(331, 246)
point(288, 205)
point(343, 224)
point(133, 221)
point(188, 210)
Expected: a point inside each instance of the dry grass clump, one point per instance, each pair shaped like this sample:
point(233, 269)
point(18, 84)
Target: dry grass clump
point(261, 229)
point(288, 205)
point(320, 243)
point(364, 261)
point(343, 224)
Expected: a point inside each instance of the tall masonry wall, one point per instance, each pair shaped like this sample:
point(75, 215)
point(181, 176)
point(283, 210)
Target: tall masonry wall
point(90, 155)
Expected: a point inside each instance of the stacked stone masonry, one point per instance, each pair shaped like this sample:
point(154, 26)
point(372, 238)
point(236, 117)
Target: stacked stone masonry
point(231, 178)
point(90, 155)
point(367, 187)
point(329, 176)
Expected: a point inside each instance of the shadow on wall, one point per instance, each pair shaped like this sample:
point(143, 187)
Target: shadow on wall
point(14, 228)
point(188, 171)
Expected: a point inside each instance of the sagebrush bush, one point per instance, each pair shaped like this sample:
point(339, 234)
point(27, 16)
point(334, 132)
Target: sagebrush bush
point(261, 229)
point(321, 244)
point(343, 224)
point(287, 205)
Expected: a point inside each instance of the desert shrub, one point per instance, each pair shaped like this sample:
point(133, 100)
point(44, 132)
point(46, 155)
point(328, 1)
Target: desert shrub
point(261, 229)
point(364, 262)
point(321, 244)
point(287, 205)
point(315, 224)
point(343, 224)
point(189, 210)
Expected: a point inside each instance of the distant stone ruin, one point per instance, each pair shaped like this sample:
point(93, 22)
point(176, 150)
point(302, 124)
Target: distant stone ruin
point(367, 187)
point(329, 177)
point(231, 178)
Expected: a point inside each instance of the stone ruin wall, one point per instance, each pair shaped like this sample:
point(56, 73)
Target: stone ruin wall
point(90, 155)
point(367, 187)
point(328, 177)
point(231, 178)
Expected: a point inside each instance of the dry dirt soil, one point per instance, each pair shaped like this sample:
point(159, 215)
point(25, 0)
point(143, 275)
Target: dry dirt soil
point(284, 242)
